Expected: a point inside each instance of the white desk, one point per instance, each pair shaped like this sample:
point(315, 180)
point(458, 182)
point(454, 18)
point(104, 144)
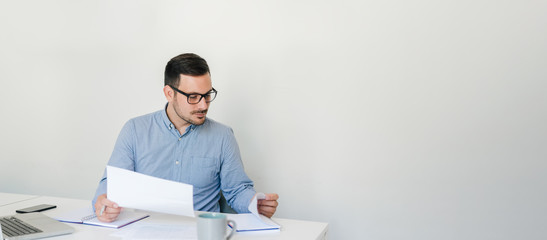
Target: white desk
point(291, 229)
point(9, 198)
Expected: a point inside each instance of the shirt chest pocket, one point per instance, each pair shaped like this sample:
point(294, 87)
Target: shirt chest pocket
point(204, 171)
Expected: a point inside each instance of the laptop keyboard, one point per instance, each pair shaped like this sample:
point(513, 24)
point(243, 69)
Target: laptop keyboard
point(12, 227)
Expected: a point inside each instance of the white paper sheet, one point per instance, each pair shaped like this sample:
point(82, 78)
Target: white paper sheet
point(135, 190)
point(253, 206)
point(151, 231)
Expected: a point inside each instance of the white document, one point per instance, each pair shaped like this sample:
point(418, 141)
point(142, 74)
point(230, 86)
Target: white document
point(135, 190)
point(150, 231)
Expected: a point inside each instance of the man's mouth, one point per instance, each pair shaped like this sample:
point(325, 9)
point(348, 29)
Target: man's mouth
point(200, 114)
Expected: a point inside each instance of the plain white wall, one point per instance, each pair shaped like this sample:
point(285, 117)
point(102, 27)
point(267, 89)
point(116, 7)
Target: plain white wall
point(387, 119)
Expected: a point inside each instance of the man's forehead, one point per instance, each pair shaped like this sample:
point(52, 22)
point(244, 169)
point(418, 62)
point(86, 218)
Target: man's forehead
point(195, 83)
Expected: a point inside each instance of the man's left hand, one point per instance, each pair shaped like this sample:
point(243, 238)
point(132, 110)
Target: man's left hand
point(268, 206)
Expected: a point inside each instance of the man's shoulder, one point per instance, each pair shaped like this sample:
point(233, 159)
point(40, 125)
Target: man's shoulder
point(213, 125)
point(146, 119)
point(149, 115)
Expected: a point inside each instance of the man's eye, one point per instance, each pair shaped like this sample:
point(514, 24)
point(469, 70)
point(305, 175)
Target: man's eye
point(193, 96)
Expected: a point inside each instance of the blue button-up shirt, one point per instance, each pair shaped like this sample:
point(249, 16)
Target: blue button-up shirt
point(205, 156)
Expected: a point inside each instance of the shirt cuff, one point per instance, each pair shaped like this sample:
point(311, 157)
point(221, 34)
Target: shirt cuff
point(243, 201)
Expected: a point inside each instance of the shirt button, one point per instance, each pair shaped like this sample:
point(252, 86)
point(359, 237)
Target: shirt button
point(177, 162)
point(180, 138)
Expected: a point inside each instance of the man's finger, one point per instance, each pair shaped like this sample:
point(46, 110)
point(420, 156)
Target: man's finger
point(272, 196)
point(109, 210)
point(268, 203)
point(268, 212)
point(105, 218)
point(267, 209)
point(108, 203)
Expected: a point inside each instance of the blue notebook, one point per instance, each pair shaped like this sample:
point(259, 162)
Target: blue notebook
point(249, 222)
point(87, 216)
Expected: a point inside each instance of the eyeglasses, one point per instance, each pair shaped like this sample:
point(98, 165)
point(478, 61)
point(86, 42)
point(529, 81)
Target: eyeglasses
point(196, 98)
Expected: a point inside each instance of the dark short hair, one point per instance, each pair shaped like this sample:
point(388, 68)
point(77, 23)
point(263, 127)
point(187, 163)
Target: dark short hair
point(187, 64)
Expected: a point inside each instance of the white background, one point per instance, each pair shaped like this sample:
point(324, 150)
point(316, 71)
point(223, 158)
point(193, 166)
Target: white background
point(387, 119)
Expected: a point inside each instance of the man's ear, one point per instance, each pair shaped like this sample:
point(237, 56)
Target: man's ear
point(168, 92)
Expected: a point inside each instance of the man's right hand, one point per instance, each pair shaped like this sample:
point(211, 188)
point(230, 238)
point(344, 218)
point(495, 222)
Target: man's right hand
point(111, 209)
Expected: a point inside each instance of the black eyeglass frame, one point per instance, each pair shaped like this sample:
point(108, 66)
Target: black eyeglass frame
point(213, 90)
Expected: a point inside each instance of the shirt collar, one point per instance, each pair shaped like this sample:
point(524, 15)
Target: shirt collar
point(168, 124)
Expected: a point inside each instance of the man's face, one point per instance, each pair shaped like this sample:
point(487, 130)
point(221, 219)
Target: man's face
point(191, 113)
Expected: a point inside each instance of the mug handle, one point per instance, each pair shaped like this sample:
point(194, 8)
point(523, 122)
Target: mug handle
point(234, 226)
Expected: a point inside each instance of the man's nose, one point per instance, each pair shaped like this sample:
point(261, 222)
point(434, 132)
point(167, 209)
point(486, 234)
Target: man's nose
point(202, 104)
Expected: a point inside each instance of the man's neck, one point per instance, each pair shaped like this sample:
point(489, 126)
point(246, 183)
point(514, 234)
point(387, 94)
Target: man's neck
point(179, 123)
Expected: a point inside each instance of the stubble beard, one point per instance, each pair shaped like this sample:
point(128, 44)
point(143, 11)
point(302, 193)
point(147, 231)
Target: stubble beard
point(189, 119)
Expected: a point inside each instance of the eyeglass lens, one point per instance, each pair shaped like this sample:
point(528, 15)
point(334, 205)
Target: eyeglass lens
point(196, 98)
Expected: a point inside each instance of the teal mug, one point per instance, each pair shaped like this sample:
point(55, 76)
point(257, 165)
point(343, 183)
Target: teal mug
point(212, 226)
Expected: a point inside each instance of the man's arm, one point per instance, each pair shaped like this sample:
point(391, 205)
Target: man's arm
point(236, 185)
point(122, 156)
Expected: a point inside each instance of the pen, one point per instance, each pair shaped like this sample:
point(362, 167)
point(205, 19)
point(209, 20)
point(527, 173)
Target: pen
point(102, 210)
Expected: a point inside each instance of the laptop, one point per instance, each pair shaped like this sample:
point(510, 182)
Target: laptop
point(31, 226)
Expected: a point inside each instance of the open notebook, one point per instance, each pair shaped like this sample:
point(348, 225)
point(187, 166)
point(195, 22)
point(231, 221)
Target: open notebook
point(249, 222)
point(253, 221)
point(87, 216)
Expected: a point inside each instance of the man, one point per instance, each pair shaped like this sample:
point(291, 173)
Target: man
point(180, 143)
